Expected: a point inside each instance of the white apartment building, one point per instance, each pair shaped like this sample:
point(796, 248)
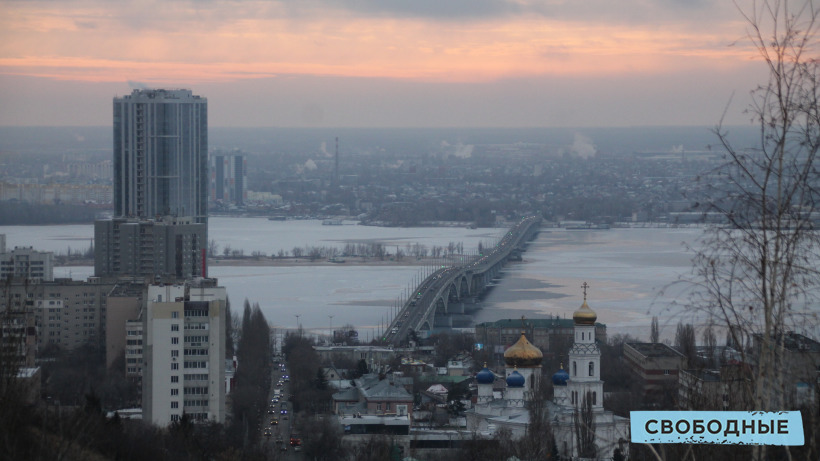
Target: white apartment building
point(184, 352)
point(26, 262)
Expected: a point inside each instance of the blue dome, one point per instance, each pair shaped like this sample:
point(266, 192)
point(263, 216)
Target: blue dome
point(485, 376)
point(515, 379)
point(560, 377)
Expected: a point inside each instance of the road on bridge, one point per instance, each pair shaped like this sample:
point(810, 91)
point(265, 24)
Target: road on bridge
point(419, 311)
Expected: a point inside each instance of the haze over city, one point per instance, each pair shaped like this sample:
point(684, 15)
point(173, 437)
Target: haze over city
point(383, 63)
point(409, 229)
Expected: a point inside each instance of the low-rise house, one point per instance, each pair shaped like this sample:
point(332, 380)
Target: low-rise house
point(375, 395)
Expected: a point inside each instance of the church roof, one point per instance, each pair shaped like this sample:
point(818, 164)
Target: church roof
point(584, 315)
point(523, 354)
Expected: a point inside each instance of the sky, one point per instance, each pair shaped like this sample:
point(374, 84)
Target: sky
point(383, 63)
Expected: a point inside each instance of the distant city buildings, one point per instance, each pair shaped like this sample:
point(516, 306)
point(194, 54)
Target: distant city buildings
point(56, 193)
point(229, 179)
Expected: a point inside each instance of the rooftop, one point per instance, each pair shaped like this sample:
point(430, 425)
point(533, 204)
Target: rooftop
point(552, 322)
point(655, 350)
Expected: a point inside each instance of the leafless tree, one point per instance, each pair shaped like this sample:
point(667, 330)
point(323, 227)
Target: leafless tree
point(538, 440)
point(654, 333)
point(757, 276)
point(584, 428)
point(685, 341)
point(709, 347)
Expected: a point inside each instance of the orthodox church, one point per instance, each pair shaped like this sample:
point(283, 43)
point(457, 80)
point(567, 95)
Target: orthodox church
point(571, 388)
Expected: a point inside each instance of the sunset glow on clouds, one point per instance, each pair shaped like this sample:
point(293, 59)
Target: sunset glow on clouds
point(194, 43)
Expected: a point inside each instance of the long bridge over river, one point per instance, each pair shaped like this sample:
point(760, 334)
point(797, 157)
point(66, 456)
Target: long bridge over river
point(445, 291)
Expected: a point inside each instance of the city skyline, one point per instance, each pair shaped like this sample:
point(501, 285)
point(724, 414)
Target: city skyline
point(361, 64)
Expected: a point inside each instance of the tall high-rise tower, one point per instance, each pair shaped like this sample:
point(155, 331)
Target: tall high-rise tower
point(160, 225)
point(161, 154)
point(229, 179)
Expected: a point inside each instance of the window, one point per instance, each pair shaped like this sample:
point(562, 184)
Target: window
point(591, 368)
point(595, 398)
point(175, 366)
point(574, 368)
point(174, 379)
point(175, 353)
point(174, 391)
point(175, 315)
point(666, 372)
point(174, 404)
point(174, 327)
point(175, 340)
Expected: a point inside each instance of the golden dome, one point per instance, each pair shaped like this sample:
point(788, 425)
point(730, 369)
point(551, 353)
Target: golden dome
point(523, 354)
point(584, 315)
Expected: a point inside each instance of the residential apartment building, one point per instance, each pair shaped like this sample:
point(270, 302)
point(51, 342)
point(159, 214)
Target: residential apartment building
point(161, 154)
point(657, 366)
point(126, 302)
point(67, 313)
point(160, 224)
point(26, 262)
point(167, 247)
point(134, 337)
point(184, 352)
point(18, 340)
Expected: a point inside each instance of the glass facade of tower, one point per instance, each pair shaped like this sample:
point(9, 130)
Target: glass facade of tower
point(161, 154)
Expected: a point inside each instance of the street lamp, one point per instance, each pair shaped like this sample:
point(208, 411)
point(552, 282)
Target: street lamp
point(331, 328)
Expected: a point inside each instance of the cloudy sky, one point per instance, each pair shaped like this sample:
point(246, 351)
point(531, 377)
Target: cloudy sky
point(394, 63)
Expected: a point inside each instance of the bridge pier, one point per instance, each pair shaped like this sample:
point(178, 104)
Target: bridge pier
point(455, 308)
point(443, 321)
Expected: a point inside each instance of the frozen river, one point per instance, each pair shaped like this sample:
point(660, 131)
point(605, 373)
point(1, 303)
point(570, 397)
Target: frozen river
point(627, 270)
